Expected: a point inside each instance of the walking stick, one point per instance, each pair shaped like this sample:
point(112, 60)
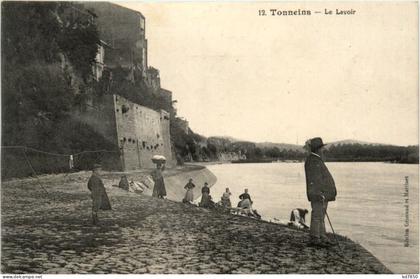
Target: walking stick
point(335, 237)
point(329, 221)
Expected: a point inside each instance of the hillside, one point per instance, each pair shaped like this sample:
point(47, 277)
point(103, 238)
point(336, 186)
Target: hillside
point(341, 151)
point(351, 141)
point(280, 146)
point(296, 147)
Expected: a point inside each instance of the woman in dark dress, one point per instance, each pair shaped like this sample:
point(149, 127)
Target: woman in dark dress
point(206, 200)
point(159, 189)
point(189, 195)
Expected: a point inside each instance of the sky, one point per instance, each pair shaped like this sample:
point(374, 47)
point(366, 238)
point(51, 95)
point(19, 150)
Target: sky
point(289, 78)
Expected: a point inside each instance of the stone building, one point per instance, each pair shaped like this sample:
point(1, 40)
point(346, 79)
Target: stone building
point(183, 123)
point(98, 67)
point(124, 31)
point(137, 132)
point(124, 45)
point(153, 78)
point(141, 133)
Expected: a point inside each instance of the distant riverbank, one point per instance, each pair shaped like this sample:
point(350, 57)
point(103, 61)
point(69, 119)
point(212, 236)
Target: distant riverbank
point(332, 160)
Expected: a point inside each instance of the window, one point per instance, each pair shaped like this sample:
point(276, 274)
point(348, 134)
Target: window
point(142, 23)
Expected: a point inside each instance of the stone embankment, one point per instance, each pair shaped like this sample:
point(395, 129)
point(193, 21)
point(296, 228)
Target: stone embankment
point(52, 233)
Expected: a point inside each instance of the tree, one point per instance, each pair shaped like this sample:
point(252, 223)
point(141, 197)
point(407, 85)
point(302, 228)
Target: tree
point(38, 38)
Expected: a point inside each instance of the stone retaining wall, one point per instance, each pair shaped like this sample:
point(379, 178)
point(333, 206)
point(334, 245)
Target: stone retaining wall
point(175, 183)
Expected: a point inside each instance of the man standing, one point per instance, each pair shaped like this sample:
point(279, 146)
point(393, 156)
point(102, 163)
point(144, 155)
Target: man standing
point(320, 189)
point(99, 197)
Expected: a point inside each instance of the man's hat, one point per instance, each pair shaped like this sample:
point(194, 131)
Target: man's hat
point(316, 143)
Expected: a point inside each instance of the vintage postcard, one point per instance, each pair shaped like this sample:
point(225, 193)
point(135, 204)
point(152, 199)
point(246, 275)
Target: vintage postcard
point(209, 138)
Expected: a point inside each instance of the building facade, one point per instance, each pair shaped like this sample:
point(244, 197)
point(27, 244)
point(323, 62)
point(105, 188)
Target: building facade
point(124, 45)
point(142, 133)
point(124, 31)
point(136, 131)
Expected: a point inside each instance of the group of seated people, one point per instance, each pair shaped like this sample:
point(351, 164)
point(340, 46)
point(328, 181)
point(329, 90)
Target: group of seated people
point(244, 206)
point(297, 215)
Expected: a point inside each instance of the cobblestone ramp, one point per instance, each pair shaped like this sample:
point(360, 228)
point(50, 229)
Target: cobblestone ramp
point(51, 233)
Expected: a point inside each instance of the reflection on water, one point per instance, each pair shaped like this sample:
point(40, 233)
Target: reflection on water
point(369, 207)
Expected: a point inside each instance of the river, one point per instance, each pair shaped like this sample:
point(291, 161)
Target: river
point(370, 206)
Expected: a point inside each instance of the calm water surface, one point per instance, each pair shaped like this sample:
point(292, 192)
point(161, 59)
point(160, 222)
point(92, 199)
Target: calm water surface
point(369, 208)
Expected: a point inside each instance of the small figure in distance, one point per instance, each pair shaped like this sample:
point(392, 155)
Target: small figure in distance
point(243, 197)
point(225, 200)
point(246, 209)
point(297, 218)
point(206, 199)
point(189, 195)
point(124, 183)
point(99, 197)
point(159, 189)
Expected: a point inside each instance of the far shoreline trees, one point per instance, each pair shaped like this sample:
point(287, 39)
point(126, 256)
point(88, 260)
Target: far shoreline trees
point(209, 149)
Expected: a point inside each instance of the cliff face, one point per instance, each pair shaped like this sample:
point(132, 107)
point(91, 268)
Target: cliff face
point(51, 233)
point(62, 61)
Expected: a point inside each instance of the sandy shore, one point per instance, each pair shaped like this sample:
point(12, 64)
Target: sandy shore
point(51, 233)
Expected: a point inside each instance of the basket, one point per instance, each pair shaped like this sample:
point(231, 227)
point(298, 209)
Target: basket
point(158, 159)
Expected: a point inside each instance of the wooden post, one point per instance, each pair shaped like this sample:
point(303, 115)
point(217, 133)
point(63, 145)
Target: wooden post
point(122, 156)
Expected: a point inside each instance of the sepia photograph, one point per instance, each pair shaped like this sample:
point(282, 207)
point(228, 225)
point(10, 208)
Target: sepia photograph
point(212, 137)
